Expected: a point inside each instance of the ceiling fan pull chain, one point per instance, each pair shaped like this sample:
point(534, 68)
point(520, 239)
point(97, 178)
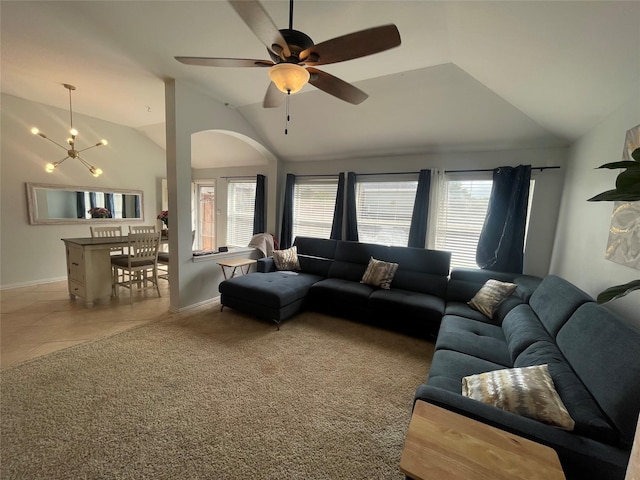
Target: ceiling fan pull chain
point(286, 123)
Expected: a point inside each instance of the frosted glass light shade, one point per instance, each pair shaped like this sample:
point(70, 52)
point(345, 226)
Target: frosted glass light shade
point(289, 77)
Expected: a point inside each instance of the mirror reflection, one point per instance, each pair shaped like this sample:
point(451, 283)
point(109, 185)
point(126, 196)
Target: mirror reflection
point(72, 204)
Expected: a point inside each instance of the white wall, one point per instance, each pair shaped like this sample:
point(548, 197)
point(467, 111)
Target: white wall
point(547, 193)
point(188, 111)
point(32, 254)
point(583, 227)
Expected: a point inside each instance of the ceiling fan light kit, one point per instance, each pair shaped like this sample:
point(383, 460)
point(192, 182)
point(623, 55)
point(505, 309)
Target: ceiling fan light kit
point(289, 77)
point(71, 141)
point(294, 55)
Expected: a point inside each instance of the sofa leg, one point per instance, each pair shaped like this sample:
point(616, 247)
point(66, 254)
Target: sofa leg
point(221, 307)
point(277, 322)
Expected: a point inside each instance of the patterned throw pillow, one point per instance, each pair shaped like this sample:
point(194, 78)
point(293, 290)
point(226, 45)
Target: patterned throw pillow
point(379, 273)
point(527, 391)
point(286, 259)
point(490, 296)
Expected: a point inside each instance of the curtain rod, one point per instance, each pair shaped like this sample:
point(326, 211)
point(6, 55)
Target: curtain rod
point(386, 173)
point(328, 175)
point(239, 176)
point(492, 169)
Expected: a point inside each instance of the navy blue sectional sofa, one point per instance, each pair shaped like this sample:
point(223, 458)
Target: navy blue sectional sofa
point(593, 359)
point(592, 356)
point(329, 281)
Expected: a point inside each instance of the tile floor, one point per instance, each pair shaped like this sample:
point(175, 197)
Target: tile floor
point(41, 319)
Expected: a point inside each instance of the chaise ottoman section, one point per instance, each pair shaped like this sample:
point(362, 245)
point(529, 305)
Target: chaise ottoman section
point(272, 296)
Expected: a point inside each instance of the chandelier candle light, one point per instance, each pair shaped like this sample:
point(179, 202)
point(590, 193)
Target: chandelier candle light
point(71, 152)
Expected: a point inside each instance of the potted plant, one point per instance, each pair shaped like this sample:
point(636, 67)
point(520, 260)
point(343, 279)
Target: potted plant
point(627, 190)
point(99, 212)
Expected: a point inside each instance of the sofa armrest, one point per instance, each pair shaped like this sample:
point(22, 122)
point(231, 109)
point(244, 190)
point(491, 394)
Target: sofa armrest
point(581, 457)
point(265, 265)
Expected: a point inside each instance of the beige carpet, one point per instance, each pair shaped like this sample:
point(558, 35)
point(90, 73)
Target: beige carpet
point(210, 395)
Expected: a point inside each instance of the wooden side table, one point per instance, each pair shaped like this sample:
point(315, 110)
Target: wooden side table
point(244, 264)
point(443, 445)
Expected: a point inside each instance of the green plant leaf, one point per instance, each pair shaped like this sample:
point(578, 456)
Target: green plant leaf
point(618, 291)
point(636, 154)
point(620, 164)
point(615, 196)
point(629, 181)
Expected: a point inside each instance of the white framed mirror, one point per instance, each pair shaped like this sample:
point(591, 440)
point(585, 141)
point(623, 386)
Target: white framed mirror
point(68, 204)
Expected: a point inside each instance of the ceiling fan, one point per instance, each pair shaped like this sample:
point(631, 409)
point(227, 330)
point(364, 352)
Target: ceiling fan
point(294, 55)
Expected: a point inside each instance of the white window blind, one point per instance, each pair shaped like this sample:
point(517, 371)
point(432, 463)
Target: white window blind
point(241, 197)
point(461, 215)
point(314, 201)
point(384, 209)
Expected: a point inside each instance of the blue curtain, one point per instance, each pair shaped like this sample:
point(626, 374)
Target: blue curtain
point(109, 205)
point(259, 209)
point(81, 207)
point(287, 213)
point(338, 211)
point(352, 219)
point(92, 199)
point(418, 229)
point(137, 206)
point(501, 244)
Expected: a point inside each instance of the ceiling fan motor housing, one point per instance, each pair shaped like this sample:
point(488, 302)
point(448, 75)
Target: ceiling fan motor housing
point(297, 42)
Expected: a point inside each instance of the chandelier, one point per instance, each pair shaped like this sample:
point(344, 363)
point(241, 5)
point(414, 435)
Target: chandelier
point(71, 141)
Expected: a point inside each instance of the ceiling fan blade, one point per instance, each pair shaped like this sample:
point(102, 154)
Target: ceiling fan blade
point(336, 87)
point(273, 98)
point(224, 62)
point(260, 23)
point(354, 45)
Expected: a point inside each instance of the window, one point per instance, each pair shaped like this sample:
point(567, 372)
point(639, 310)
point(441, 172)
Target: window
point(314, 201)
point(206, 215)
point(241, 198)
point(384, 209)
point(461, 214)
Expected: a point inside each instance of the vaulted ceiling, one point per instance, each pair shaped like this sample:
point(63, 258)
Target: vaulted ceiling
point(468, 75)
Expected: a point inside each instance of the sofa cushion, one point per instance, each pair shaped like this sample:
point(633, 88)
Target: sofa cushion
point(527, 391)
point(490, 295)
point(555, 300)
point(605, 354)
point(286, 259)
point(589, 418)
point(338, 291)
point(316, 247)
point(379, 273)
point(462, 309)
point(315, 265)
point(521, 329)
point(479, 339)
point(399, 304)
point(352, 258)
point(273, 289)
point(448, 367)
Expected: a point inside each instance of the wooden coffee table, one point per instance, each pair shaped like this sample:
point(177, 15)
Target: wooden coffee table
point(443, 445)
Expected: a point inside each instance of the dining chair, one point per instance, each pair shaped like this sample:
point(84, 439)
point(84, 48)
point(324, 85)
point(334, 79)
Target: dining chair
point(140, 267)
point(142, 229)
point(106, 232)
point(163, 259)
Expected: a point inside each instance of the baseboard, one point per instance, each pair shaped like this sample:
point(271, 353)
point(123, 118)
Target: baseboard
point(32, 283)
point(209, 301)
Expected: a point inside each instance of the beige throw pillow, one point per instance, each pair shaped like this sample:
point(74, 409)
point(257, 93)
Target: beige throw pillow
point(379, 273)
point(527, 391)
point(490, 296)
point(286, 259)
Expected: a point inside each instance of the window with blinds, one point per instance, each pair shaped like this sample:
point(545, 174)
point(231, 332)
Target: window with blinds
point(241, 197)
point(314, 201)
point(461, 214)
point(384, 209)
point(463, 208)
